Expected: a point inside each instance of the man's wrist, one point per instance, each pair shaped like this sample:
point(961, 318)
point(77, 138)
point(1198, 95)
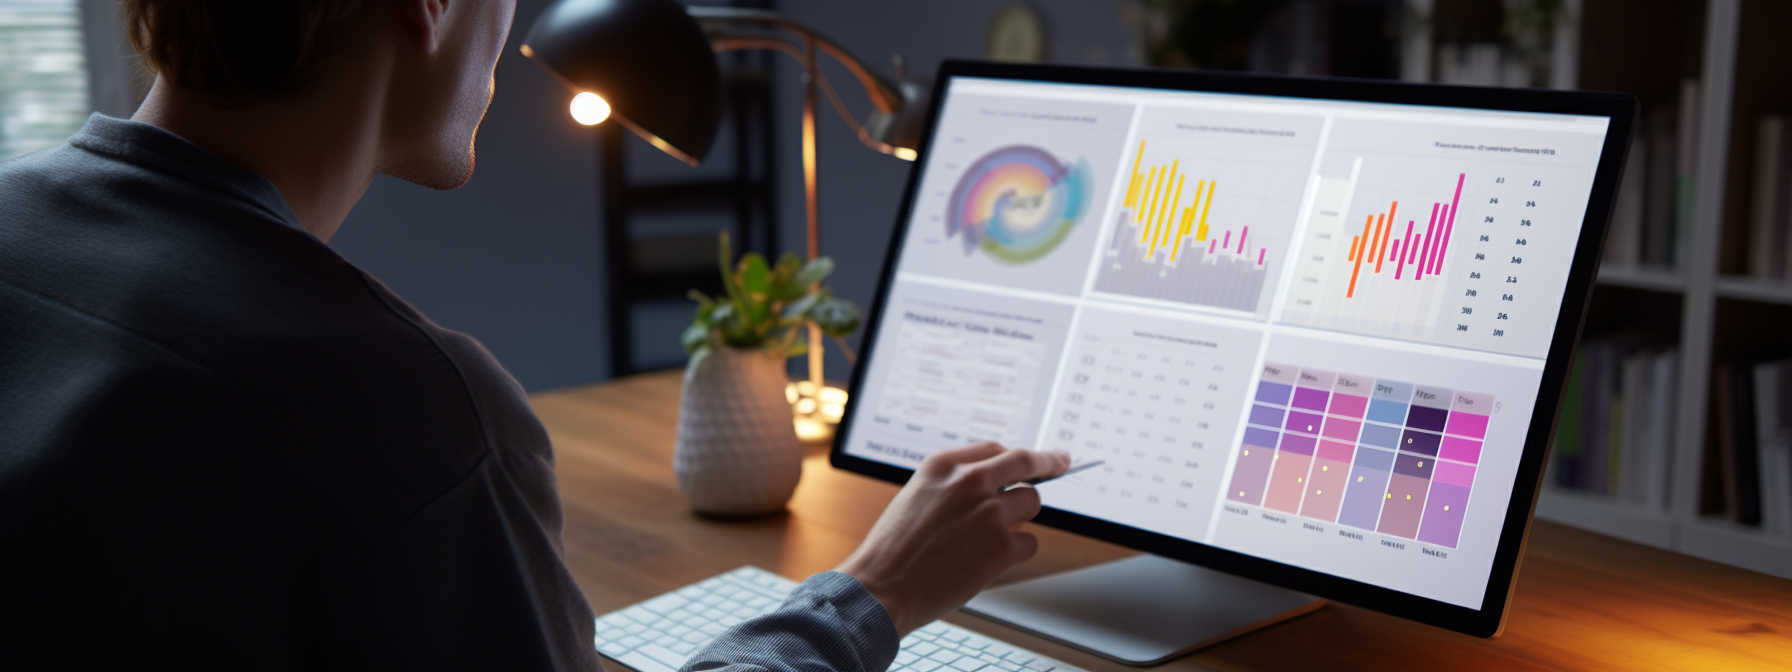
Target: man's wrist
point(879, 591)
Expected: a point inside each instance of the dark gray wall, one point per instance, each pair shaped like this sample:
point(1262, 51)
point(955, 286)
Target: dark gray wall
point(513, 258)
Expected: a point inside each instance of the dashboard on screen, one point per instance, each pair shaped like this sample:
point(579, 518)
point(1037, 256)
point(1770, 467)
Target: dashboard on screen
point(1309, 331)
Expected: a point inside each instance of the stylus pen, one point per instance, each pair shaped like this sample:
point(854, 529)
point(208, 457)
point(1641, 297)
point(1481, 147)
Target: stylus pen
point(1067, 472)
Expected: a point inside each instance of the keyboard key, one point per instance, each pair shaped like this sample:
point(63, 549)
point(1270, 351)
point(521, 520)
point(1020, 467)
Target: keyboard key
point(967, 664)
point(955, 636)
point(1000, 649)
point(934, 628)
point(698, 637)
point(924, 648)
point(944, 655)
point(664, 604)
point(612, 649)
point(666, 640)
point(687, 648)
point(925, 665)
point(663, 654)
point(904, 658)
point(644, 664)
point(631, 642)
point(978, 641)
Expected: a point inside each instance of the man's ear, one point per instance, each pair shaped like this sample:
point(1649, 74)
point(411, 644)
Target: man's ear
point(427, 18)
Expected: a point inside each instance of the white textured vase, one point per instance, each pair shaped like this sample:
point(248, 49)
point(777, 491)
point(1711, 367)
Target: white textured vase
point(737, 453)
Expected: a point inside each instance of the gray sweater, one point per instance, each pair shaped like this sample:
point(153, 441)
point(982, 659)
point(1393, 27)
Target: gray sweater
point(223, 445)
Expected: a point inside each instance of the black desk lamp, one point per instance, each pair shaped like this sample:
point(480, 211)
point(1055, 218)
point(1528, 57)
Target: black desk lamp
point(651, 65)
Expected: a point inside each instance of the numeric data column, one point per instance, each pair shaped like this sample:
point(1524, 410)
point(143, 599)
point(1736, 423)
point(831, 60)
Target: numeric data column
point(1300, 439)
point(1455, 475)
point(1374, 463)
point(1337, 445)
point(1256, 454)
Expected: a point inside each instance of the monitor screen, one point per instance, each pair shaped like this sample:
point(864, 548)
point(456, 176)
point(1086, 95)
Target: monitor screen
point(1306, 330)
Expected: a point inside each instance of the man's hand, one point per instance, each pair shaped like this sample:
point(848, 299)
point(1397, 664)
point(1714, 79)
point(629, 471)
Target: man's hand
point(951, 531)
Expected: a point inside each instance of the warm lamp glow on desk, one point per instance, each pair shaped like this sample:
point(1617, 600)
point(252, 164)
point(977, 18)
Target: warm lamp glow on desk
point(818, 409)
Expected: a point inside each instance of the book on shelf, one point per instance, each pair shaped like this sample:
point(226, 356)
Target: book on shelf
point(1773, 422)
point(1770, 230)
point(1615, 434)
point(1753, 454)
point(1736, 443)
point(1653, 213)
point(1686, 162)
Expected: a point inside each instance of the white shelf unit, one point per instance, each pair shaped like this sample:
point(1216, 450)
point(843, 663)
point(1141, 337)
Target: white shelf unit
point(1751, 289)
point(1680, 527)
point(1635, 277)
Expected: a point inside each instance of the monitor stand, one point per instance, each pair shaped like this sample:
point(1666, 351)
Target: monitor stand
point(1142, 610)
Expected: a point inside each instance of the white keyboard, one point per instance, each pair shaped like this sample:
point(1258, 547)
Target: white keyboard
point(659, 635)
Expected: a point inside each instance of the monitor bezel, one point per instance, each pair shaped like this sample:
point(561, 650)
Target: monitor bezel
point(1619, 108)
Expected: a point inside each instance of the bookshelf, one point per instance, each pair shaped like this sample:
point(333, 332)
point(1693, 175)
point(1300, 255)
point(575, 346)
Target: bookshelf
point(1721, 312)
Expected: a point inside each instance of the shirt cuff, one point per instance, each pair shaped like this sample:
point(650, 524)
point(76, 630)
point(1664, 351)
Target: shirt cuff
point(865, 619)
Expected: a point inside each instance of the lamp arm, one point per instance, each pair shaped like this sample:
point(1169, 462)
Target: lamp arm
point(882, 92)
point(777, 44)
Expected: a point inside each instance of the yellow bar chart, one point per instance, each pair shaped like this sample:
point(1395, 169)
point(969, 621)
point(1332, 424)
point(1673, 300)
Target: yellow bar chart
point(1154, 203)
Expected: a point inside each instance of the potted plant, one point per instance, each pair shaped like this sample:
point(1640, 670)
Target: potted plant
point(737, 453)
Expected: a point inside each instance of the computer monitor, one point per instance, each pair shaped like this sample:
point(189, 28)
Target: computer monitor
point(1315, 330)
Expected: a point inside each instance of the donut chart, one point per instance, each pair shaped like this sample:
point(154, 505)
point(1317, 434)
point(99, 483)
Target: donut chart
point(1017, 203)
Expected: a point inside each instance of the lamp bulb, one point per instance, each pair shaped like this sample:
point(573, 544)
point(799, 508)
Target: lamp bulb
point(590, 109)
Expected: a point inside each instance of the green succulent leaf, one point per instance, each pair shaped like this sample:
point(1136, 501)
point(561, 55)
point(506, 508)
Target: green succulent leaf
point(695, 337)
point(837, 317)
point(815, 271)
point(705, 306)
point(756, 276)
point(722, 315)
point(725, 251)
point(798, 310)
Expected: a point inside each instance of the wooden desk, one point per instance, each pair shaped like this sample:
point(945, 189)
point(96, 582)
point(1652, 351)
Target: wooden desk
point(1584, 601)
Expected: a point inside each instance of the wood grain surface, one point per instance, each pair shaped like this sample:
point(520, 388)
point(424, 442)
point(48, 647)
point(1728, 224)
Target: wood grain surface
point(1584, 601)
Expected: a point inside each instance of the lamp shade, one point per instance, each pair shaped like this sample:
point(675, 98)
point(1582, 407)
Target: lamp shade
point(647, 58)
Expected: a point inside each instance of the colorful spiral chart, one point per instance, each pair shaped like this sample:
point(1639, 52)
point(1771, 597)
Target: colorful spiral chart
point(1017, 203)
